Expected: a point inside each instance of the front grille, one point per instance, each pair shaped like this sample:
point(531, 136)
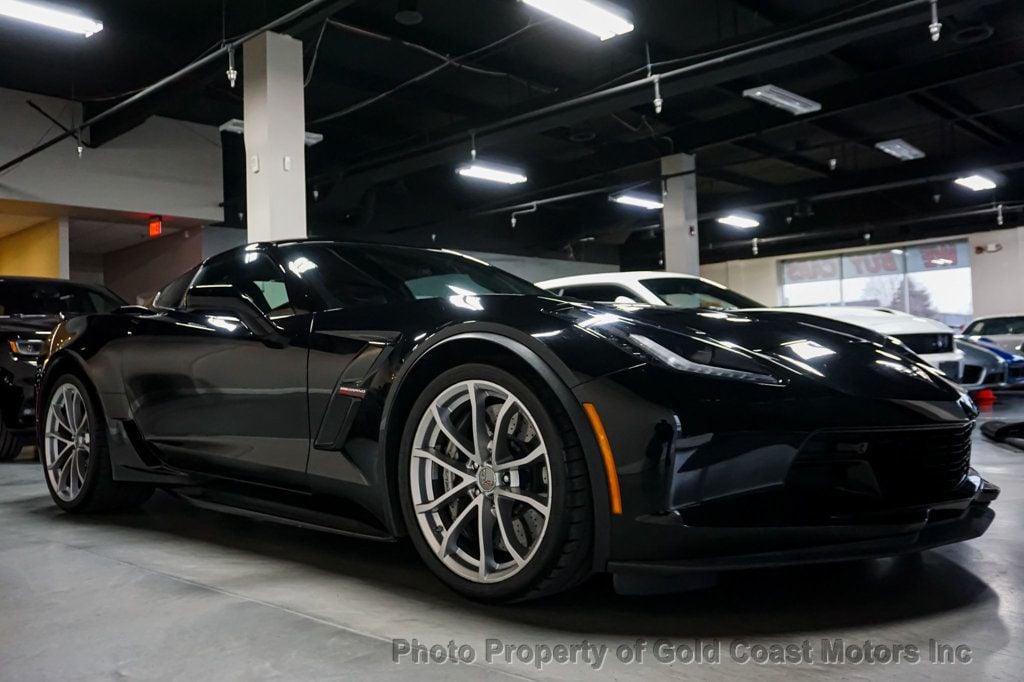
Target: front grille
point(926, 344)
point(972, 375)
point(907, 463)
point(1017, 372)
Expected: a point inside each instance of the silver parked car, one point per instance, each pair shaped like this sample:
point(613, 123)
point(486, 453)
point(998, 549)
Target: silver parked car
point(1006, 331)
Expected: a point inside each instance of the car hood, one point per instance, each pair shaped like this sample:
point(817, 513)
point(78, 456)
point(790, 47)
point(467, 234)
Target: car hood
point(983, 344)
point(18, 324)
point(807, 349)
point(881, 320)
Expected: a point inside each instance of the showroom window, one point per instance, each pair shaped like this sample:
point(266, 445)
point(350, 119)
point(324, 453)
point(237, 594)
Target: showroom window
point(931, 280)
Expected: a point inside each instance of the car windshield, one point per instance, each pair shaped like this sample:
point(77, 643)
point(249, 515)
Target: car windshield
point(28, 297)
point(686, 292)
point(996, 326)
point(344, 274)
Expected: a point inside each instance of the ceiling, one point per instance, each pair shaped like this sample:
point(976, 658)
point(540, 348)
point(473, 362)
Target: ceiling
point(546, 97)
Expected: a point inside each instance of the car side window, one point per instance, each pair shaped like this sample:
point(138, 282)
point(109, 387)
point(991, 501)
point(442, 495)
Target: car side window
point(254, 275)
point(172, 295)
point(600, 293)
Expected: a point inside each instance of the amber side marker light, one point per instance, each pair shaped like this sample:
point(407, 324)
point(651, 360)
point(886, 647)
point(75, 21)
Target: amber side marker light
point(606, 454)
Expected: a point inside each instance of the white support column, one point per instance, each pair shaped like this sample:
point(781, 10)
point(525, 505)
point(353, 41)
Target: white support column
point(682, 243)
point(275, 126)
point(64, 247)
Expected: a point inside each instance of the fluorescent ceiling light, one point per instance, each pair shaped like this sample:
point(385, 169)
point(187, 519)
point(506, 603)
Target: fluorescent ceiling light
point(900, 149)
point(640, 201)
point(783, 99)
point(590, 16)
point(50, 16)
point(492, 173)
point(742, 221)
point(976, 182)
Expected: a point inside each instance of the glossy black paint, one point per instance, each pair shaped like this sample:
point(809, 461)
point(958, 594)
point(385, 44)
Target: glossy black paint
point(308, 415)
point(18, 371)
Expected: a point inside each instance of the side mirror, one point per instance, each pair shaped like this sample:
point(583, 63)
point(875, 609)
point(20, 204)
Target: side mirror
point(221, 299)
point(624, 299)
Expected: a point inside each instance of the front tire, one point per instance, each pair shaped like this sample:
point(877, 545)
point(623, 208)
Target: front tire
point(494, 487)
point(75, 456)
point(10, 444)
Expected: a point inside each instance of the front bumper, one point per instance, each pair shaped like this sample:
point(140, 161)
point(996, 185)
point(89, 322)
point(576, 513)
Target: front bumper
point(907, 531)
point(951, 364)
point(17, 394)
point(752, 476)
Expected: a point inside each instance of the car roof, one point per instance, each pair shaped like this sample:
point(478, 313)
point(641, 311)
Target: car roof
point(629, 277)
point(995, 317)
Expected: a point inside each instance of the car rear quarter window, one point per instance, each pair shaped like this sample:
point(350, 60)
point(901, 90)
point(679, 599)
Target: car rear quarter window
point(599, 293)
point(997, 326)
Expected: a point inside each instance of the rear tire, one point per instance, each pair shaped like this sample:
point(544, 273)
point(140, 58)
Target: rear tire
point(10, 444)
point(75, 455)
point(516, 520)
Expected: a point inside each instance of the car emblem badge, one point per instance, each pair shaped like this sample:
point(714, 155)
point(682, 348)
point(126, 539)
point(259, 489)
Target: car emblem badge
point(486, 478)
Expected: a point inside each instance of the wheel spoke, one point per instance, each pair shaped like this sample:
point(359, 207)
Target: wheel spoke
point(538, 453)
point(60, 422)
point(444, 423)
point(449, 540)
point(499, 439)
point(62, 457)
point(68, 408)
point(478, 421)
point(450, 465)
point(485, 533)
point(449, 496)
point(65, 473)
point(73, 477)
point(508, 536)
point(56, 436)
point(526, 499)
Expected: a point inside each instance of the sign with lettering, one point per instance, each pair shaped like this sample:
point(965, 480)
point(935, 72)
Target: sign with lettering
point(811, 270)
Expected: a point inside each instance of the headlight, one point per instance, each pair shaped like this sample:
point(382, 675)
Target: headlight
point(28, 347)
point(708, 361)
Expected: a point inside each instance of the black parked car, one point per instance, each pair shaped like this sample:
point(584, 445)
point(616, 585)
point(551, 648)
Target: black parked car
point(521, 441)
point(29, 309)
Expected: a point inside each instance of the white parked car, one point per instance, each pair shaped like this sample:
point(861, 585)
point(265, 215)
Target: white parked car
point(1006, 331)
point(930, 339)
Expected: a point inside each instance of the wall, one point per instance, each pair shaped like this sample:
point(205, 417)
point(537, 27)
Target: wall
point(37, 251)
point(138, 272)
point(163, 167)
point(994, 276)
point(87, 268)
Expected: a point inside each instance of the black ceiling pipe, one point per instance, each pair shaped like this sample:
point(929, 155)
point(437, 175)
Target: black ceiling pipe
point(720, 250)
point(854, 22)
point(325, 7)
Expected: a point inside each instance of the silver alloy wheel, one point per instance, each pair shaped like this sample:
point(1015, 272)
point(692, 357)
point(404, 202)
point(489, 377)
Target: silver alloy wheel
point(67, 446)
point(480, 481)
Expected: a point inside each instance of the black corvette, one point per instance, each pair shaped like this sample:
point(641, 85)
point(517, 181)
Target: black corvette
point(521, 441)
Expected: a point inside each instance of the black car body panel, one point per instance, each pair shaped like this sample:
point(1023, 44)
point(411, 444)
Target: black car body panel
point(849, 441)
point(32, 319)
